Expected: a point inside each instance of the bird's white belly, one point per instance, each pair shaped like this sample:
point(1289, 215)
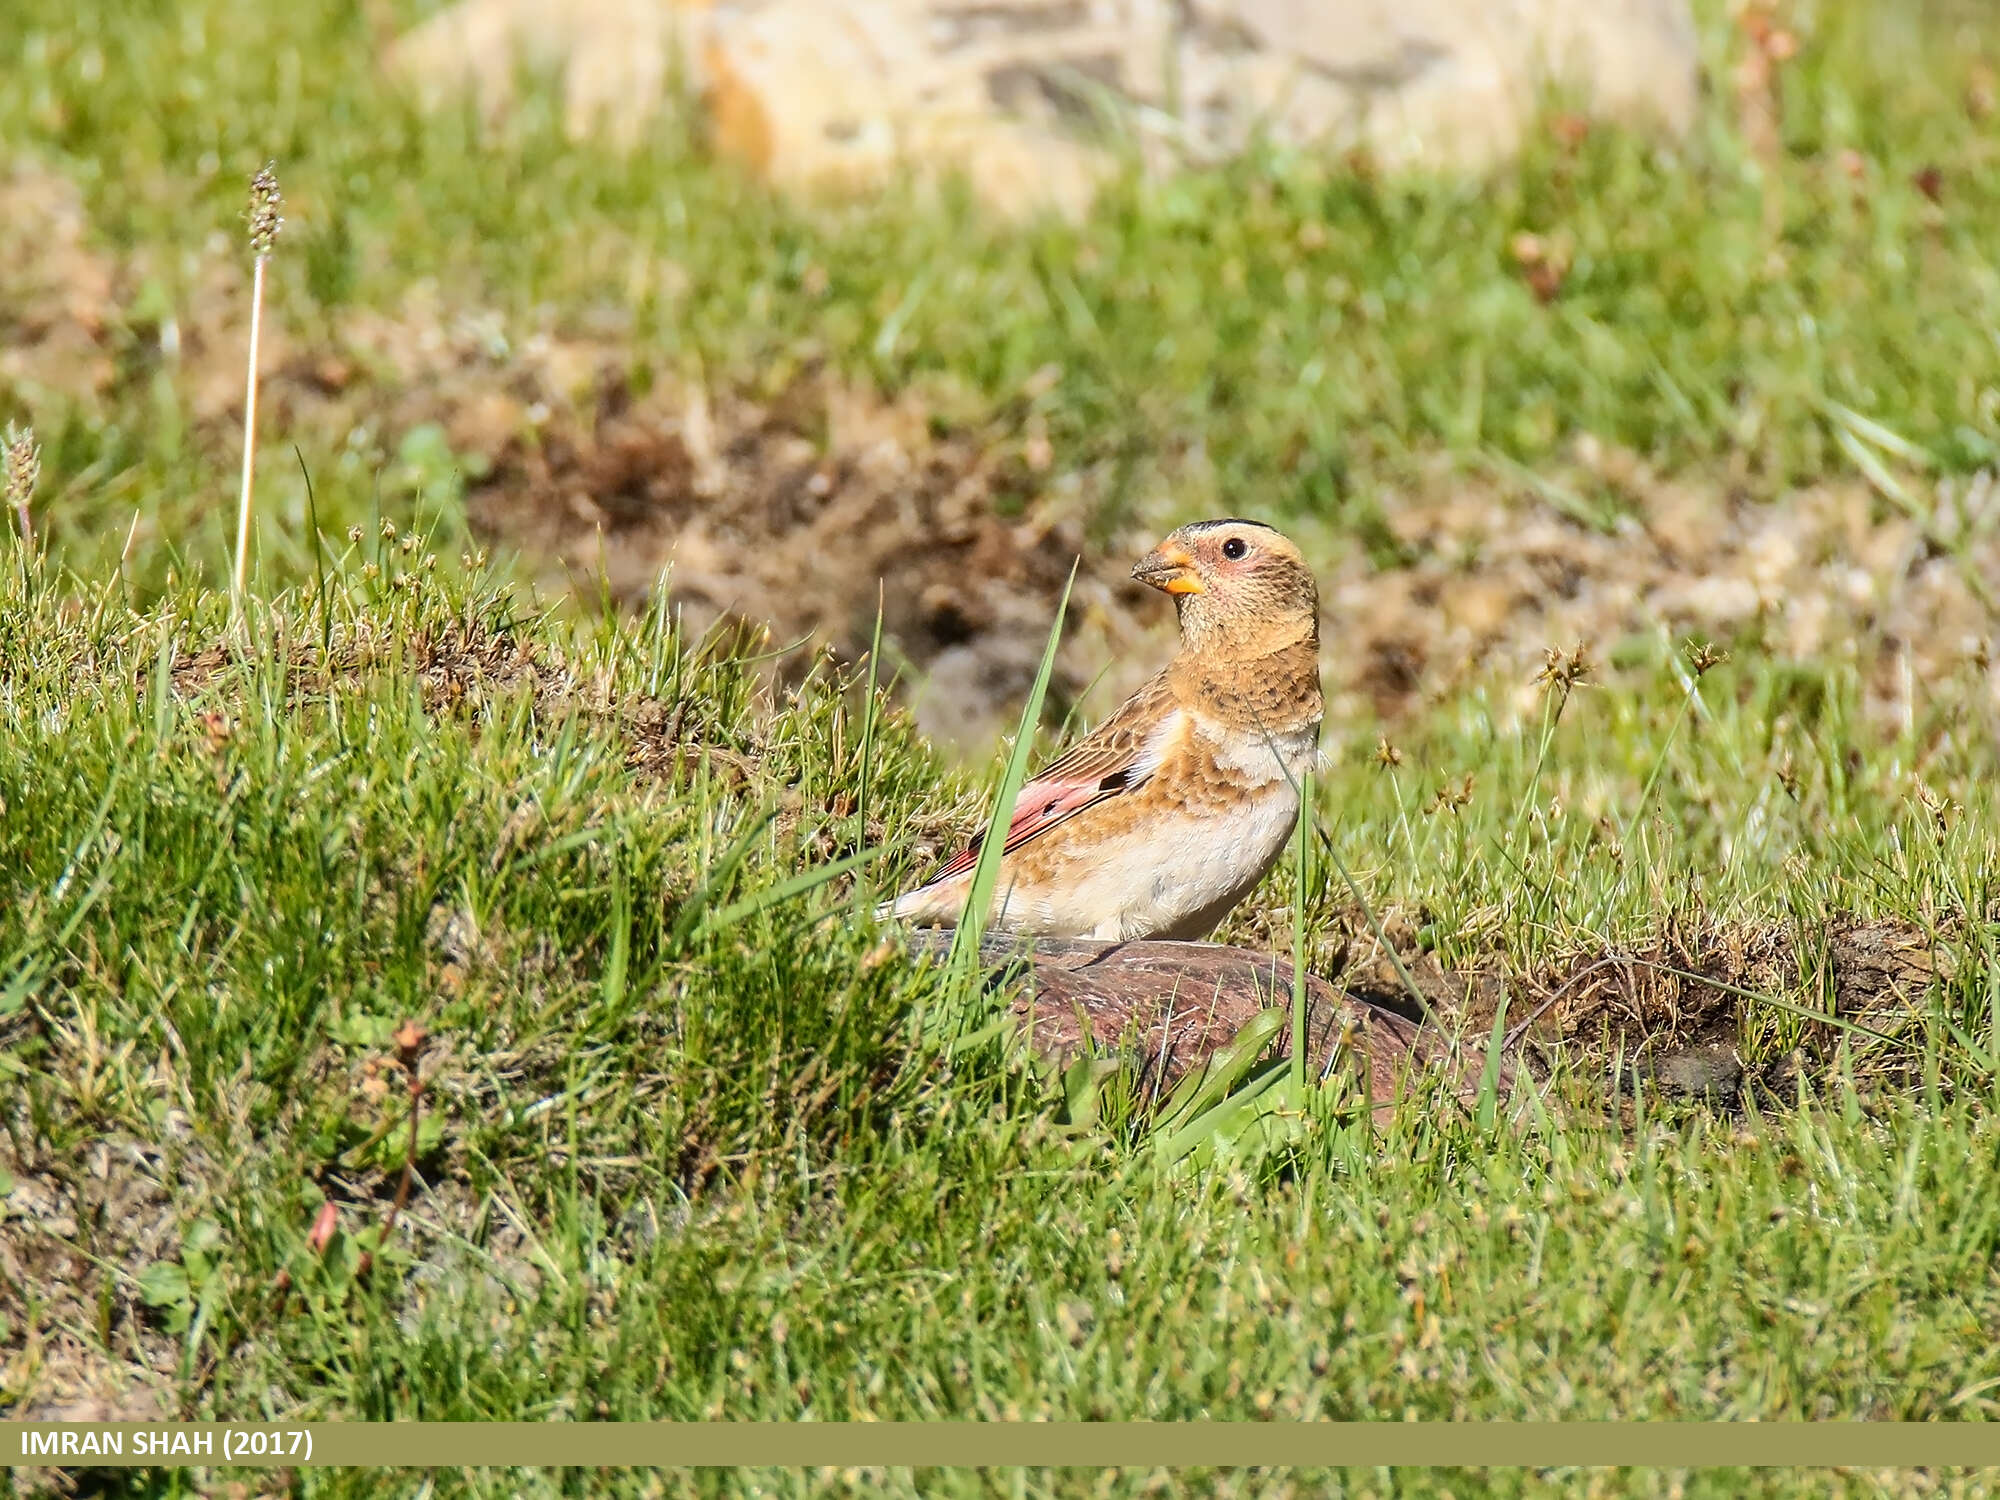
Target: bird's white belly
point(1178, 880)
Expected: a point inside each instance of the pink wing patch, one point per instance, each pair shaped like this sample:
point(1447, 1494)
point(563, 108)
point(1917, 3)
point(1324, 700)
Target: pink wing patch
point(1116, 758)
point(1040, 806)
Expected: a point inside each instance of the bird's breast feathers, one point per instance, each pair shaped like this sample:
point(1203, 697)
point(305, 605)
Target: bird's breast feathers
point(1254, 758)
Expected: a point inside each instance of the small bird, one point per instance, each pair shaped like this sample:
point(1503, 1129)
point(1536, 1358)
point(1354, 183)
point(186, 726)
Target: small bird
point(1166, 815)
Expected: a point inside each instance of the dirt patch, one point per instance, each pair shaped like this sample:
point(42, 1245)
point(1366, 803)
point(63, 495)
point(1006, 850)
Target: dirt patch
point(75, 1235)
point(1491, 574)
point(804, 514)
point(57, 300)
point(1675, 1009)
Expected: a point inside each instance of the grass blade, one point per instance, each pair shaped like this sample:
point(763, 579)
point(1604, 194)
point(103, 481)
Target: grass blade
point(1304, 835)
point(1489, 1078)
point(1217, 1086)
point(695, 908)
point(319, 561)
point(868, 719)
point(964, 960)
point(785, 890)
point(1224, 1070)
point(619, 957)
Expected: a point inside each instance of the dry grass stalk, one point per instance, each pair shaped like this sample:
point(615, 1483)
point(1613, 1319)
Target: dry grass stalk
point(265, 224)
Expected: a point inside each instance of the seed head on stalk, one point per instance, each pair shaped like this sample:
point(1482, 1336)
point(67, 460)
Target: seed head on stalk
point(265, 200)
point(24, 468)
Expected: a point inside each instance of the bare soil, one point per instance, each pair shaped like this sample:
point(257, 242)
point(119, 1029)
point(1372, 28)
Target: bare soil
point(1674, 1009)
point(119, 1205)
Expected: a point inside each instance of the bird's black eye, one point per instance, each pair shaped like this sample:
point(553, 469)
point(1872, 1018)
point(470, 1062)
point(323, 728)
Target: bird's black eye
point(1234, 548)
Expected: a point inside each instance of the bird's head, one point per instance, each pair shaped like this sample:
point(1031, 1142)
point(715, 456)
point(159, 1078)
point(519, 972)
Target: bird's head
point(1238, 586)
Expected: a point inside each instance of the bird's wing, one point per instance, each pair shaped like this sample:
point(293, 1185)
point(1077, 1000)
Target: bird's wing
point(1115, 759)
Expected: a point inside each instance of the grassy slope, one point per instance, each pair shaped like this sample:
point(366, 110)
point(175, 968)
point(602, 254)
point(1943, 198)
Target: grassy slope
point(686, 1166)
point(681, 1167)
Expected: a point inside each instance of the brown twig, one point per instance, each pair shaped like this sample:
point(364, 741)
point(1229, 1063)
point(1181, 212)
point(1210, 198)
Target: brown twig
point(410, 1039)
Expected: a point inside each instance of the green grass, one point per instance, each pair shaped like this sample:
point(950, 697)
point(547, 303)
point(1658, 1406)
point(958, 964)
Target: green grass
point(687, 1153)
point(688, 1146)
point(1281, 329)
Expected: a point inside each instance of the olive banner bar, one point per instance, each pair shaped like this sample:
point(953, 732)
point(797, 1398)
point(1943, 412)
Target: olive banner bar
point(1143, 1445)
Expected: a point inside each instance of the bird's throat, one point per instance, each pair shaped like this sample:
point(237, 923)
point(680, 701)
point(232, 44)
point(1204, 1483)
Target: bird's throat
point(1241, 640)
point(1272, 691)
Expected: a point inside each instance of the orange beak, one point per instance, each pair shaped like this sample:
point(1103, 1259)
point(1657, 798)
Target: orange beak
point(1169, 567)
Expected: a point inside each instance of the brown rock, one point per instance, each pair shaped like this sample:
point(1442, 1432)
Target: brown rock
point(1178, 1004)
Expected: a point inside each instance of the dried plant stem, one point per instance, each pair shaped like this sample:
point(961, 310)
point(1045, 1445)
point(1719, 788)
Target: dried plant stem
point(410, 1039)
point(249, 439)
point(367, 1262)
point(265, 224)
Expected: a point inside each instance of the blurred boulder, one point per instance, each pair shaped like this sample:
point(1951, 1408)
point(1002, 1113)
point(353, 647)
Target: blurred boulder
point(1011, 93)
point(1430, 83)
point(621, 61)
point(1034, 99)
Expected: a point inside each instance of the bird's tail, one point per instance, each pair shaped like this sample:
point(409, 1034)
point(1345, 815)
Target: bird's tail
point(935, 905)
